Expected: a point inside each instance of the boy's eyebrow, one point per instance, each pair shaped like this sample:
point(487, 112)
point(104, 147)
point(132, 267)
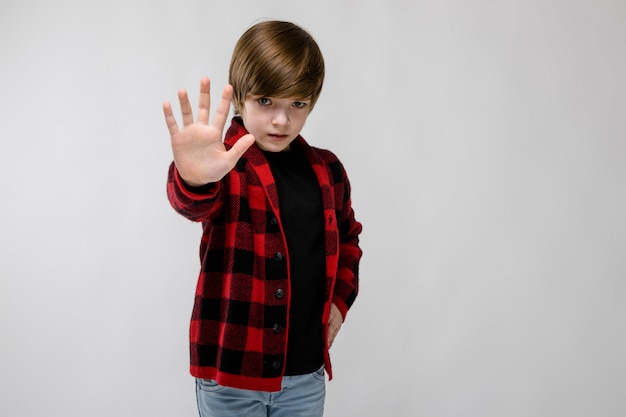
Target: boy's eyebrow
point(250, 95)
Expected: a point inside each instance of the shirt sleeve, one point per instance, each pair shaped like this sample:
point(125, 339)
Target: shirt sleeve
point(347, 283)
point(194, 203)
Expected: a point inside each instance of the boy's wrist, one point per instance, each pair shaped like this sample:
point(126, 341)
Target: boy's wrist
point(191, 190)
point(341, 306)
point(191, 184)
point(198, 189)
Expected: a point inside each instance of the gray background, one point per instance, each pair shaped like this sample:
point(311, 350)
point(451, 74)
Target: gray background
point(485, 144)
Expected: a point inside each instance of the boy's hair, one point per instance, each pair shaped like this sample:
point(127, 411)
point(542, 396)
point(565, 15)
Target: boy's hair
point(276, 59)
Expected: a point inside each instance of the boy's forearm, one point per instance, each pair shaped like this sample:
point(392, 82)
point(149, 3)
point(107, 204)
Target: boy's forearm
point(347, 283)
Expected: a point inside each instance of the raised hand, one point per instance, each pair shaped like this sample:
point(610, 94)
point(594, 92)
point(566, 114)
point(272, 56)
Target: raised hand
point(199, 153)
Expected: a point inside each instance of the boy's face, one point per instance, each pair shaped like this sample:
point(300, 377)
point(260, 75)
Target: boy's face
point(274, 122)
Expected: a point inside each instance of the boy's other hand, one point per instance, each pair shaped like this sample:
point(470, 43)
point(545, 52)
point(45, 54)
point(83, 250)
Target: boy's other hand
point(334, 324)
point(199, 153)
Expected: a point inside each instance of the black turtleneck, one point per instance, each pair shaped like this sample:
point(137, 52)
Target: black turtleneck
point(302, 217)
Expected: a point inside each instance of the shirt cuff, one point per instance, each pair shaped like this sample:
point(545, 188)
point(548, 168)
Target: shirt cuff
point(197, 193)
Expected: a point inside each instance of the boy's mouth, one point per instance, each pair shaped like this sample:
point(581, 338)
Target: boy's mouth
point(277, 136)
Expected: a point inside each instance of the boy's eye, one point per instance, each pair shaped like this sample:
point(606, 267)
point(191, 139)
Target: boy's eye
point(299, 104)
point(264, 101)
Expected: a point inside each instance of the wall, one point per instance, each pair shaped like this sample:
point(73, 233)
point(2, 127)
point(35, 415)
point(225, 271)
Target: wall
point(485, 144)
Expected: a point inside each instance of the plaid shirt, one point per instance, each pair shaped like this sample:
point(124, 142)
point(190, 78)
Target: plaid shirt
point(243, 286)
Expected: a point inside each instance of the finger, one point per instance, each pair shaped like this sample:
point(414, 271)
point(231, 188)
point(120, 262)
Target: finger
point(240, 147)
point(204, 105)
point(185, 107)
point(221, 115)
point(170, 120)
point(332, 334)
point(334, 325)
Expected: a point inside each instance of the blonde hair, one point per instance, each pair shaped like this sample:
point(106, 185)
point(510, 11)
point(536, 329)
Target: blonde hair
point(276, 59)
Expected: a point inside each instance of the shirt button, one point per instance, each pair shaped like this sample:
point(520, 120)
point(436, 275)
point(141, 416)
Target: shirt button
point(276, 364)
point(278, 256)
point(273, 221)
point(277, 328)
point(280, 293)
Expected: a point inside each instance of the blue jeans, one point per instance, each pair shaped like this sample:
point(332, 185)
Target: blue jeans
point(300, 395)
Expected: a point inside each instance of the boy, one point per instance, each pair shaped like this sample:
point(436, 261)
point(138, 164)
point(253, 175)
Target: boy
point(279, 250)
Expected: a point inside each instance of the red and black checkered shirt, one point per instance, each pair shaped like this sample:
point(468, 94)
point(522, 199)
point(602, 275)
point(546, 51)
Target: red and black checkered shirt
point(243, 286)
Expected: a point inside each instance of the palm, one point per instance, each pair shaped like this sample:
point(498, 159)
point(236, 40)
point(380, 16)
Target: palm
point(199, 153)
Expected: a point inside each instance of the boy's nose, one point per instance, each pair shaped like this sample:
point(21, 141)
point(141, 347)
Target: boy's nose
point(281, 118)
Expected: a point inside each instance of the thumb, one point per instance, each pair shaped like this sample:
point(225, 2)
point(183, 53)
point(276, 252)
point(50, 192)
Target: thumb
point(242, 145)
